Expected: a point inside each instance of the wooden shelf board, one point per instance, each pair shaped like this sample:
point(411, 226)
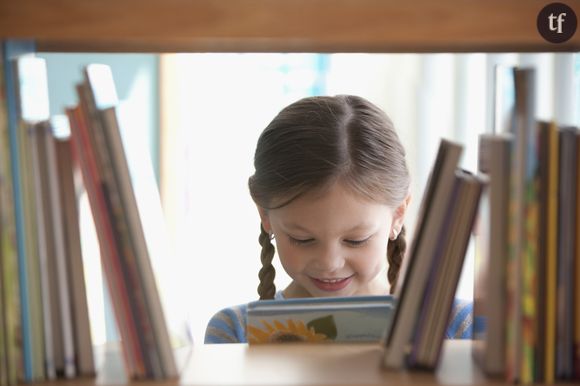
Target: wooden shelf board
point(280, 26)
point(332, 364)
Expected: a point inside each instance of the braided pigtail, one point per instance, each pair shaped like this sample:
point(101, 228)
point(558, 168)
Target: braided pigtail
point(395, 253)
point(266, 289)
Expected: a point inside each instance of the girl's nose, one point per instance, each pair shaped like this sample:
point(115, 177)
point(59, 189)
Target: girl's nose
point(329, 259)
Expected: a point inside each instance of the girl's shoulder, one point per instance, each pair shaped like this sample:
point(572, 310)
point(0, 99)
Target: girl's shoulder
point(227, 325)
point(461, 320)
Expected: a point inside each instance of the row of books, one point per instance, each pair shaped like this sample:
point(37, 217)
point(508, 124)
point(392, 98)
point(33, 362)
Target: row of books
point(44, 321)
point(124, 249)
point(434, 263)
point(45, 330)
point(527, 284)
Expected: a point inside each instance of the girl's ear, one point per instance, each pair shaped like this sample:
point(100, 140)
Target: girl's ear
point(399, 215)
point(265, 219)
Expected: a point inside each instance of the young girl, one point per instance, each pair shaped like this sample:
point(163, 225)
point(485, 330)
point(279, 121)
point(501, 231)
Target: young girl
point(331, 185)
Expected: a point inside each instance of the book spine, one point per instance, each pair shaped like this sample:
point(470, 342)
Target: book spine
point(471, 192)
point(423, 334)
point(159, 340)
point(3, 362)
point(552, 252)
point(530, 262)
point(528, 227)
point(43, 258)
point(405, 317)
point(10, 52)
point(120, 233)
point(541, 267)
point(498, 244)
point(76, 272)
point(520, 349)
point(8, 243)
point(31, 227)
point(452, 227)
point(577, 266)
point(109, 259)
point(57, 226)
point(567, 212)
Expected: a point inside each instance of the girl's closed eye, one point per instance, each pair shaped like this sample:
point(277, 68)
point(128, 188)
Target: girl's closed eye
point(300, 241)
point(357, 242)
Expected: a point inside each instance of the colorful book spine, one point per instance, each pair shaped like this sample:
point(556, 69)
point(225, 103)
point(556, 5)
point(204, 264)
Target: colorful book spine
point(11, 50)
point(525, 111)
point(513, 307)
point(131, 229)
point(119, 230)
point(82, 147)
point(9, 247)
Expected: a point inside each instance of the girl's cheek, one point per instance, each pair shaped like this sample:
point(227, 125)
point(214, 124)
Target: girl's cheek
point(289, 256)
point(371, 262)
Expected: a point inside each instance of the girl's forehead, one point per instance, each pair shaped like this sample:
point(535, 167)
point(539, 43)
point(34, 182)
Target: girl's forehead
point(337, 208)
point(334, 191)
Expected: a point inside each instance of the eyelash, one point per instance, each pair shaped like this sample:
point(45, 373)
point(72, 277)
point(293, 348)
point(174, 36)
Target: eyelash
point(354, 243)
point(357, 243)
point(300, 242)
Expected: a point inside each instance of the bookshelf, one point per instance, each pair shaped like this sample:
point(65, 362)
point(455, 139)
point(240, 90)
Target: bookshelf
point(280, 26)
point(335, 364)
point(285, 26)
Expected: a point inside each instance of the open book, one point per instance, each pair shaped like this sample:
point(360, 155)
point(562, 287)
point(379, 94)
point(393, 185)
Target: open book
point(337, 319)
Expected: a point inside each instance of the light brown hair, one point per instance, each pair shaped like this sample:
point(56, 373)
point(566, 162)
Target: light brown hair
point(320, 140)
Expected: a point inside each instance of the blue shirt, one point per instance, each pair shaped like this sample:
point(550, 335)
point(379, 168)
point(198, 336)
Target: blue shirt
point(229, 324)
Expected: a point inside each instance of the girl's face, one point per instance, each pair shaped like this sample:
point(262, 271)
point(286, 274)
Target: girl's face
point(334, 243)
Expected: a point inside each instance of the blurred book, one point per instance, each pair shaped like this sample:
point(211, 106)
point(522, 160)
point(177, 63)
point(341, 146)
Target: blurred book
point(432, 266)
point(491, 254)
point(128, 217)
point(567, 201)
point(446, 266)
point(536, 287)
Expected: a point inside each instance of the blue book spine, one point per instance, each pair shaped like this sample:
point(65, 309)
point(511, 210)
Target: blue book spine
point(13, 49)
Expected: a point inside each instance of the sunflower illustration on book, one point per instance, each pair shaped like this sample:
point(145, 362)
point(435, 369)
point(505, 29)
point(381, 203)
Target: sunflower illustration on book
point(318, 330)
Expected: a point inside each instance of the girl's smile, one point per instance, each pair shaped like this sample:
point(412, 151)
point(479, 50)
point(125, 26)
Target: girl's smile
point(332, 285)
